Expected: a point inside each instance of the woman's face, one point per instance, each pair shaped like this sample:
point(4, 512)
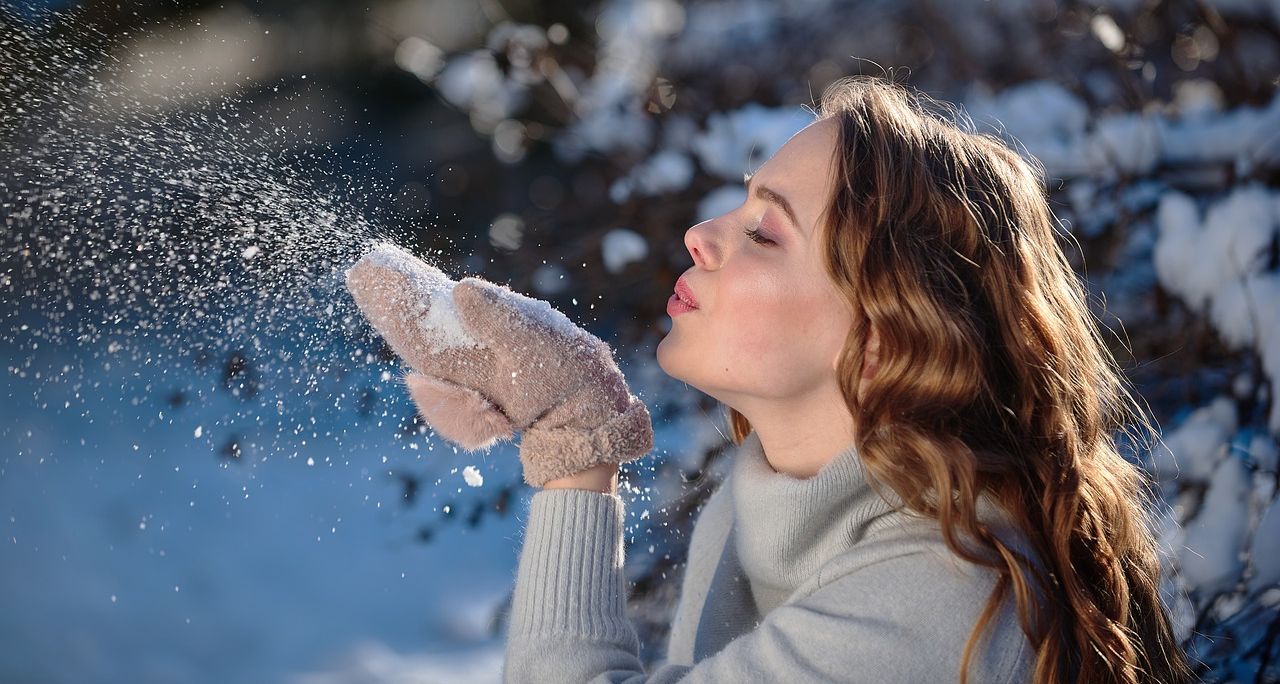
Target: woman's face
point(769, 323)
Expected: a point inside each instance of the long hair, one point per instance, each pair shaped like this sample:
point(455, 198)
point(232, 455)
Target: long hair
point(992, 379)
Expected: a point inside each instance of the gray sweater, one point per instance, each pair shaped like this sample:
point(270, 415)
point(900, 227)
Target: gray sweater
point(795, 580)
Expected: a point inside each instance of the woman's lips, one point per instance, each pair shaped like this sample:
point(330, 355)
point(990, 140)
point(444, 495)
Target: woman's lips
point(685, 293)
point(682, 301)
point(677, 306)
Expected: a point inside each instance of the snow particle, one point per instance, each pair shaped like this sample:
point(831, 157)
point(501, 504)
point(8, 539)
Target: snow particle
point(621, 247)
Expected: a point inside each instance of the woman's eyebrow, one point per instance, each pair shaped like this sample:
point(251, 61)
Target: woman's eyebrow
point(769, 195)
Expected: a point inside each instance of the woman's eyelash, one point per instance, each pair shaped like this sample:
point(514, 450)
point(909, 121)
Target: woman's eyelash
point(757, 237)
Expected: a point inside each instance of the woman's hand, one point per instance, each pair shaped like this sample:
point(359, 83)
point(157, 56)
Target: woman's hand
point(488, 362)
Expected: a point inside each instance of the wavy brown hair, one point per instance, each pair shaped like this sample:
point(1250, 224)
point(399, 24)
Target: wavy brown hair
point(992, 380)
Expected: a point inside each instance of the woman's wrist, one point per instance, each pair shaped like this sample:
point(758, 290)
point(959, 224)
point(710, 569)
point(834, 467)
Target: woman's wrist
point(601, 478)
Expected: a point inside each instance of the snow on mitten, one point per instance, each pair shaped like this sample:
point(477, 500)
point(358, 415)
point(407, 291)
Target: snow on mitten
point(489, 362)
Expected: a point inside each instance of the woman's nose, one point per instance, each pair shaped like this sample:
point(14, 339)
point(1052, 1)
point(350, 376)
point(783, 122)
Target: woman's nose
point(701, 247)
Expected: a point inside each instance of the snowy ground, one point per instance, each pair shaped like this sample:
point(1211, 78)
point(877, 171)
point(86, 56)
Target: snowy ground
point(134, 552)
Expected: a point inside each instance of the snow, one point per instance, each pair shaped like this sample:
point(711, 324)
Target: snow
point(717, 28)
point(1110, 34)
point(620, 247)
point(506, 232)
point(475, 82)
point(1211, 560)
point(472, 476)
point(1053, 124)
point(610, 121)
point(736, 142)
point(307, 573)
point(1177, 256)
point(1192, 451)
point(424, 60)
point(610, 113)
point(1043, 116)
point(1130, 143)
point(720, 201)
point(535, 312)
point(1264, 293)
point(441, 324)
point(1217, 267)
point(1265, 452)
point(666, 171)
point(372, 661)
point(1197, 98)
point(1245, 136)
point(1266, 549)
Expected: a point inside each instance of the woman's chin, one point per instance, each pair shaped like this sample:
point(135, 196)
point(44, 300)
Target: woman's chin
point(670, 366)
point(664, 362)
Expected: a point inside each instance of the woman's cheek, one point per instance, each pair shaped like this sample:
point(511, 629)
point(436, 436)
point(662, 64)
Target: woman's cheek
point(759, 314)
point(766, 331)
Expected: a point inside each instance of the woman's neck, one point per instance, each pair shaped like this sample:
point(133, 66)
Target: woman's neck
point(802, 434)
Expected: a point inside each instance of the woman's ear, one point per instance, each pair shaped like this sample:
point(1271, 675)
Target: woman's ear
point(870, 361)
point(871, 358)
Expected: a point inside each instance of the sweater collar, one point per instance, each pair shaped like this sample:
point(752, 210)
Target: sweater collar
point(787, 528)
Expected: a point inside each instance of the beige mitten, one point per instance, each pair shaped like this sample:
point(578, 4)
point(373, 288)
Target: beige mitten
point(490, 362)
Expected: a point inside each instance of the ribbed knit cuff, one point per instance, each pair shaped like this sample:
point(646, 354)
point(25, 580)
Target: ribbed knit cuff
point(570, 580)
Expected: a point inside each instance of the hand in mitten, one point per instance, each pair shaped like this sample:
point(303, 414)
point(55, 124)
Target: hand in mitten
point(488, 362)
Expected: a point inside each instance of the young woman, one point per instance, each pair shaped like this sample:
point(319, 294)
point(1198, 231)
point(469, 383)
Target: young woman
point(925, 486)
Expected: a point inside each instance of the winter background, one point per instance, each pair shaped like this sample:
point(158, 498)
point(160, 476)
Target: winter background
point(210, 471)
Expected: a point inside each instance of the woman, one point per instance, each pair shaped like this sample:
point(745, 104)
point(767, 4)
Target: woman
point(888, 317)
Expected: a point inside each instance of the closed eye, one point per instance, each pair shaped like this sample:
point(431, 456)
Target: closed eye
point(757, 237)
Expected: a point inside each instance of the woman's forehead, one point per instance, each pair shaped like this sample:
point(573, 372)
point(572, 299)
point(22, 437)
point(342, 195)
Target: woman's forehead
point(802, 170)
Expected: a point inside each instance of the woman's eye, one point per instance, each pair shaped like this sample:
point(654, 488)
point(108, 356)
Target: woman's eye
point(755, 235)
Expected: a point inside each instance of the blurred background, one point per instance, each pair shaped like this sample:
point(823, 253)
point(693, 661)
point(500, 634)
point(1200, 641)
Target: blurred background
point(210, 472)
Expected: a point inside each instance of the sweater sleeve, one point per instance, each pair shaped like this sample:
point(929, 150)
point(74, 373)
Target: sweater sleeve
point(903, 619)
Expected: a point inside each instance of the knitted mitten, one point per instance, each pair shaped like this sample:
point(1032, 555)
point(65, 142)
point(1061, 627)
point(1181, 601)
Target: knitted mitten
point(488, 362)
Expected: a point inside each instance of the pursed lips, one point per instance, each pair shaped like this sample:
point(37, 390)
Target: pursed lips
point(684, 293)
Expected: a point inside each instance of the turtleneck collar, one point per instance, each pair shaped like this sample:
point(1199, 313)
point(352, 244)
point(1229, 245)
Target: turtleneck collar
point(786, 528)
